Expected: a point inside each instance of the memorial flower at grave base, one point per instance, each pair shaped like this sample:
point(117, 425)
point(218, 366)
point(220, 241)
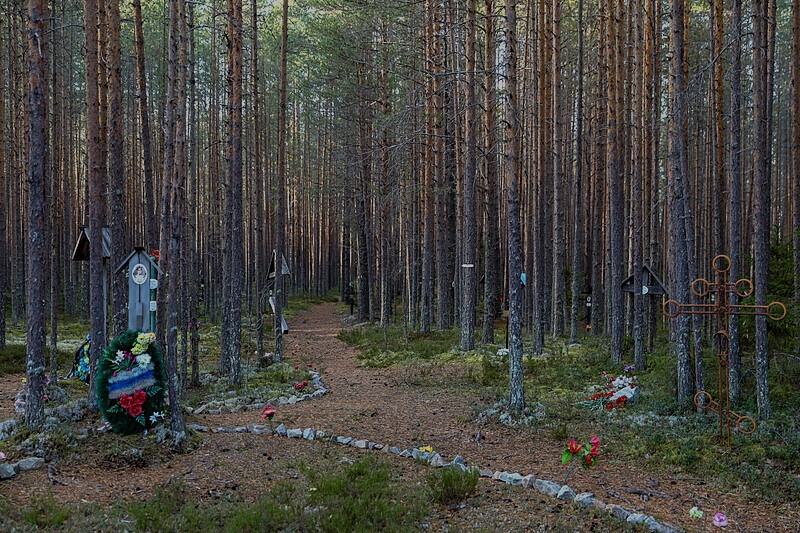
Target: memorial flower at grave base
point(611, 384)
point(586, 454)
point(300, 386)
point(267, 414)
point(130, 382)
point(720, 520)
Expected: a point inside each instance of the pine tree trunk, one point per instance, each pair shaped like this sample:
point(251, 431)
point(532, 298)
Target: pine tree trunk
point(469, 256)
point(280, 190)
point(761, 195)
point(117, 214)
point(559, 205)
point(492, 274)
point(677, 174)
point(233, 197)
point(516, 384)
point(4, 207)
point(97, 187)
point(578, 229)
point(795, 157)
point(36, 293)
point(734, 198)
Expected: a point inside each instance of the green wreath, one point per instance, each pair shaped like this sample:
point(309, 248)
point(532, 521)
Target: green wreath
point(130, 383)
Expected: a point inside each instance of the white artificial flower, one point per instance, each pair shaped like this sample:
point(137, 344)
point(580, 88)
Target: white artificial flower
point(143, 360)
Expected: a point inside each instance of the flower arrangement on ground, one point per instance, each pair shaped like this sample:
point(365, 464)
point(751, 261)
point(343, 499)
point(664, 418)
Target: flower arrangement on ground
point(130, 383)
point(612, 391)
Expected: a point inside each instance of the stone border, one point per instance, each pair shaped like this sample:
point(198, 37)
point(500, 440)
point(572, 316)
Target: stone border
point(9, 470)
point(434, 459)
point(216, 407)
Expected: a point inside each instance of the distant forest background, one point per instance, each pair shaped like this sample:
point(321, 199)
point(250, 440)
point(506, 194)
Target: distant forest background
point(417, 156)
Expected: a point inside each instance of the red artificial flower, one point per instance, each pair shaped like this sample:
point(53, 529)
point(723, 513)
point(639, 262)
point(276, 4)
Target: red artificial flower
point(140, 397)
point(268, 412)
point(594, 441)
point(622, 400)
point(297, 367)
point(298, 386)
point(135, 410)
point(310, 365)
point(574, 447)
point(595, 451)
point(609, 406)
point(155, 254)
point(126, 401)
point(305, 384)
point(589, 460)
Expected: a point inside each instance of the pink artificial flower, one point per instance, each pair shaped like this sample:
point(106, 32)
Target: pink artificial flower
point(720, 520)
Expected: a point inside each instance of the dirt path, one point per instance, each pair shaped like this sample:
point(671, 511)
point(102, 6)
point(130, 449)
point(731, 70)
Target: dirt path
point(403, 407)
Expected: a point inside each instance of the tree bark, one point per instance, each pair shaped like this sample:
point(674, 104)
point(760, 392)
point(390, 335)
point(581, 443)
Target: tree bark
point(761, 195)
point(677, 174)
point(469, 256)
point(233, 208)
point(37, 260)
point(117, 212)
point(280, 190)
point(97, 187)
point(516, 384)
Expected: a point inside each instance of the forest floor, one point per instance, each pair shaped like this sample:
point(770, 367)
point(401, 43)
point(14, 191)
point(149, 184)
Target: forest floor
point(106, 486)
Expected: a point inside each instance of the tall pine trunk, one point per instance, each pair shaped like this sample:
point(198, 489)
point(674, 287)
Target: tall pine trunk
point(36, 286)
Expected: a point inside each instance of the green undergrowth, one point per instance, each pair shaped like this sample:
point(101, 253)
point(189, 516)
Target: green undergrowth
point(365, 496)
point(380, 349)
point(449, 486)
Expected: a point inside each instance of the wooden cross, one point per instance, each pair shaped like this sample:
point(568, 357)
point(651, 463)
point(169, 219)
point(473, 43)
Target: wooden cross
point(720, 306)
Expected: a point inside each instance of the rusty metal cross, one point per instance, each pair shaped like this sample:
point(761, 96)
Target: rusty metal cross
point(720, 306)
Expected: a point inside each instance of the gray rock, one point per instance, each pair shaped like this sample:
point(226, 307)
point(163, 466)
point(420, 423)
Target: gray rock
point(566, 494)
point(637, 518)
point(585, 499)
point(459, 460)
point(214, 411)
point(309, 434)
point(30, 463)
point(485, 472)
point(459, 466)
point(240, 429)
point(344, 440)
point(318, 393)
point(293, 400)
point(294, 433)
point(420, 455)
point(619, 511)
point(320, 435)
point(259, 429)
point(281, 430)
point(436, 461)
point(7, 471)
point(661, 527)
point(201, 409)
point(376, 446)
point(7, 428)
point(632, 393)
point(405, 453)
point(395, 450)
point(528, 480)
point(547, 487)
point(515, 479)
point(497, 476)
point(197, 427)
point(361, 444)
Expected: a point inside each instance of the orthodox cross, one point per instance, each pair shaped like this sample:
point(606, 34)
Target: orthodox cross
point(720, 306)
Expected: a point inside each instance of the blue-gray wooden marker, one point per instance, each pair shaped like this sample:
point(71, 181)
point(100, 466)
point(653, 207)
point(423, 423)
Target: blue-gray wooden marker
point(141, 271)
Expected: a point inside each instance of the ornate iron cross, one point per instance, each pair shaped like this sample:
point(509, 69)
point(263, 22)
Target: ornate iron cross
point(720, 306)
